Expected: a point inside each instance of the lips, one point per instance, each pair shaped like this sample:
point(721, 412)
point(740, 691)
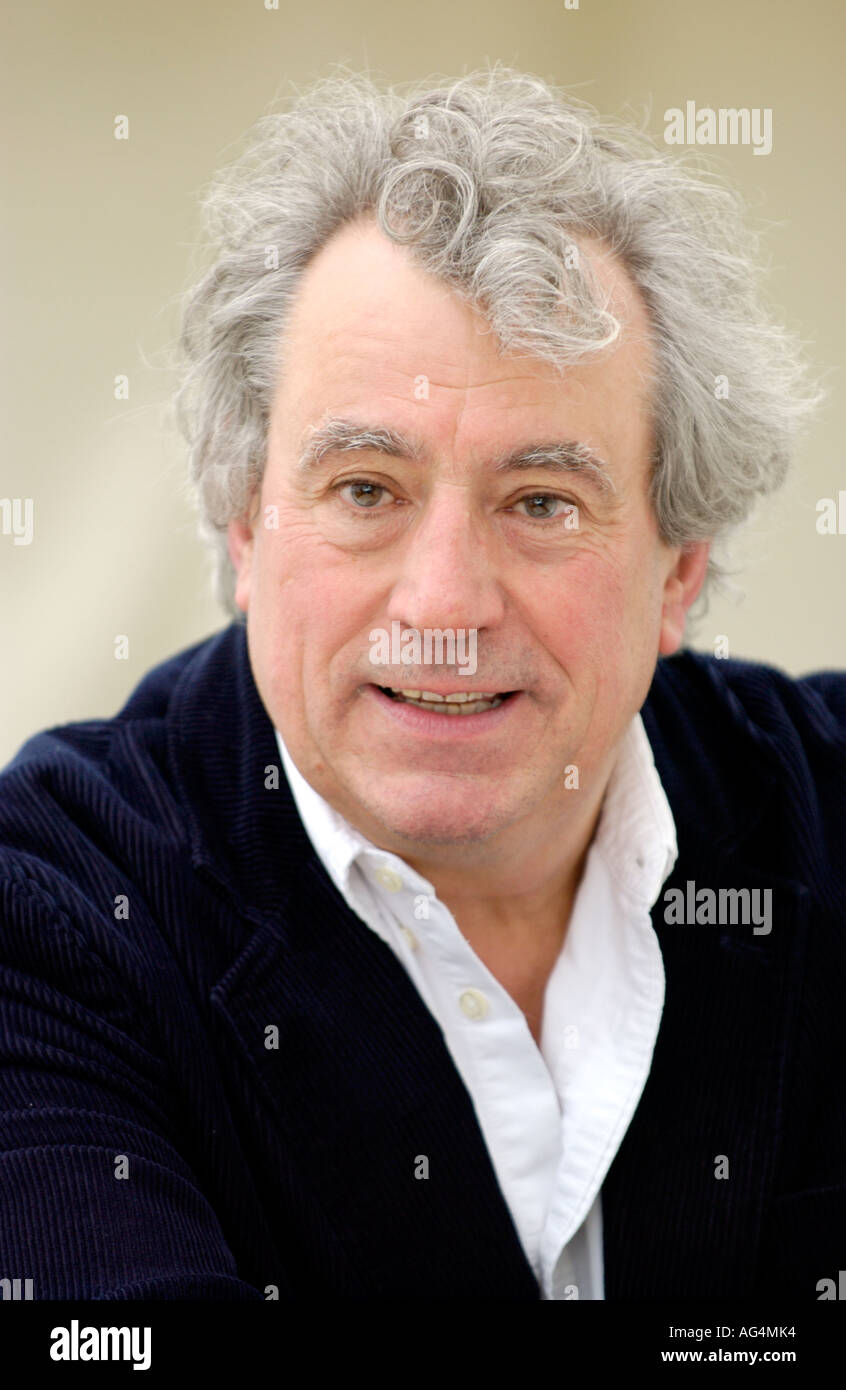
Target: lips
point(457, 703)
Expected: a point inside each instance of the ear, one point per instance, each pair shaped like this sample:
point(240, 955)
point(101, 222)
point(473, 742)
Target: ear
point(240, 542)
point(681, 587)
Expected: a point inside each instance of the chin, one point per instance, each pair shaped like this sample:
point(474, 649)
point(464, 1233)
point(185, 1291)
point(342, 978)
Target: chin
point(424, 815)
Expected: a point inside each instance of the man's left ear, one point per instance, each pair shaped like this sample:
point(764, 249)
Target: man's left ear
point(681, 587)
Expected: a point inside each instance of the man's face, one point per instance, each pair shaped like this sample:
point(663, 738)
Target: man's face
point(570, 608)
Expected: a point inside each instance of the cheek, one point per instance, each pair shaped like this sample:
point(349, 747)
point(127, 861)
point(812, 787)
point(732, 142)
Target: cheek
point(297, 574)
point(314, 607)
point(580, 616)
point(595, 619)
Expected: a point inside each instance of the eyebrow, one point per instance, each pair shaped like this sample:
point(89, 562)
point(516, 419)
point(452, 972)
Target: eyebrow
point(337, 435)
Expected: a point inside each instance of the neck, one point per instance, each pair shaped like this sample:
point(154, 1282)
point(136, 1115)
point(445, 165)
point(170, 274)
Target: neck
point(515, 913)
point(515, 885)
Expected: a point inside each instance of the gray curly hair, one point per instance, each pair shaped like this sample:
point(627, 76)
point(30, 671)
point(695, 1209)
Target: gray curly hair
point(487, 179)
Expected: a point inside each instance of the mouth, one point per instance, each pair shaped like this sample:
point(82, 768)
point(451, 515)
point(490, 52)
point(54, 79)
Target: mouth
point(458, 703)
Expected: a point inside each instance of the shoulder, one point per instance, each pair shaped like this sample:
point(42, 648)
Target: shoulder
point(761, 700)
point(82, 799)
point(733, 730)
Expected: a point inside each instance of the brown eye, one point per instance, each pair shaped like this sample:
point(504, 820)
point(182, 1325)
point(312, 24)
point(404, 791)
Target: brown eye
point(537, 503)
point(541, 505)
point(365, 495)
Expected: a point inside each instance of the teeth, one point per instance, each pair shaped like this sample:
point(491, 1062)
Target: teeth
point(459, 698)
point(473, 702)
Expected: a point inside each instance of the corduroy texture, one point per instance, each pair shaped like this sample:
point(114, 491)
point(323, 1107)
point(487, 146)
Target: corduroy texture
point(162, 912)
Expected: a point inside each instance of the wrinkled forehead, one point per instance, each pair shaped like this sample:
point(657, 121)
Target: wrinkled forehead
point(361, 279)
point(370, 330)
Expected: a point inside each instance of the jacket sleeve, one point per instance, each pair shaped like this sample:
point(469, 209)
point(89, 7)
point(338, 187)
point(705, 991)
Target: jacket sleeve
point(96, 1201)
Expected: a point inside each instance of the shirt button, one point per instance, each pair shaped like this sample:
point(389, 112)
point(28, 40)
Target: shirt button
point(473, 1003)
point(410, 937)
point(389, 878)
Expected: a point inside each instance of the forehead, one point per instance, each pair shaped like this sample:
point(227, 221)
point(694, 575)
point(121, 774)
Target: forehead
point(370, 329)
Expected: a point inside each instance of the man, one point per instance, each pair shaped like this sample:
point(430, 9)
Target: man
point(342, 964)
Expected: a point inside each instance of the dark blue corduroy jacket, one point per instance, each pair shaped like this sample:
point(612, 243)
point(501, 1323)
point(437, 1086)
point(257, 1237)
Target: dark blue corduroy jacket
point(162, 910)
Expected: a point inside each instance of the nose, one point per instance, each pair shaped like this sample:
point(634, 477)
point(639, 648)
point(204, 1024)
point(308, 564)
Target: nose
point(447, 576)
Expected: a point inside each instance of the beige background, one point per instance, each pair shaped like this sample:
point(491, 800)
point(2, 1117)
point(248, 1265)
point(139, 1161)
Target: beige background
point(97, 240)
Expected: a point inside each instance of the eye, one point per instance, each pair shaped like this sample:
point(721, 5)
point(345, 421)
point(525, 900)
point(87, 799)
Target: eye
point(540, 506)
point(362, 493)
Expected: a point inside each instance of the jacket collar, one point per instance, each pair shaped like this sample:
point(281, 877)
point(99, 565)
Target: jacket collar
point(225, 754)
point(236, 802)
point(243, 828)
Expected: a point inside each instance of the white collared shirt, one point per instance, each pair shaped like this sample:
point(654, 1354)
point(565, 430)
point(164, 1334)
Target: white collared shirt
point(553, 1119)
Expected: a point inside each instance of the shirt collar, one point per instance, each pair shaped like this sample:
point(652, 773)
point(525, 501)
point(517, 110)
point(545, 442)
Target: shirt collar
point(337, 843)
point(636, 834)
